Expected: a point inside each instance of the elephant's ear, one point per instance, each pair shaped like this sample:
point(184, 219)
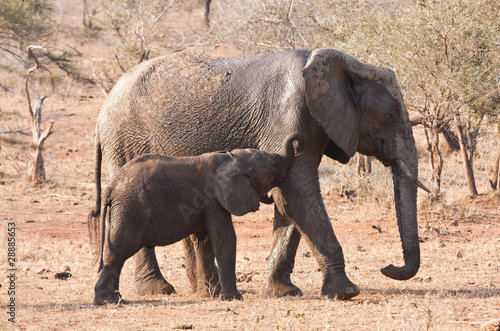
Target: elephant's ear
point(330, 77)
point(234, 189)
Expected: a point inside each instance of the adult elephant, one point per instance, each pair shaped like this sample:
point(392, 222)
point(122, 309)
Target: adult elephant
point(183, 104)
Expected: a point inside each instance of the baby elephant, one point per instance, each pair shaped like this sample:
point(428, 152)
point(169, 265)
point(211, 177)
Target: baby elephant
point(156, 200)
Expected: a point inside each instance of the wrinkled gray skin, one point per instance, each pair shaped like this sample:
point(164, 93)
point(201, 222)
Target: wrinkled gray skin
point(187, 105)
point(156, 200)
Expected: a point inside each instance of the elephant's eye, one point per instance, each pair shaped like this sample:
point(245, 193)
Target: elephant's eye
point(391, 117)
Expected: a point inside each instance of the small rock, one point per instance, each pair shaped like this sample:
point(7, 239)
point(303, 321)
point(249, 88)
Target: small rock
point(491, 325)
point(63, 275)
point(377, 227)
point(42, 271)
point(66, 268)
point(422, 280)
point(25, 269)
point(361, 249)
point(307, 254)
point(459, 255)
point(454, 223)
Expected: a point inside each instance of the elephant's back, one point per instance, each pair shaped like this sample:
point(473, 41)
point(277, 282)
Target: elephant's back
point(166, 78)
point(184, 104)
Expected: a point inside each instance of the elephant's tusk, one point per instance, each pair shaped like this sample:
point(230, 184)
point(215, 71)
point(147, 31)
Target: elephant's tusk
point(404, 168)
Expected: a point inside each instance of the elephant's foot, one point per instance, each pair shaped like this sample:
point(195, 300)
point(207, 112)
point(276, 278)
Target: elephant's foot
point(153, 285)
point(208, 290)
point(339, 287)
point(105, 297)
point(280, 288)
point(231, 295)
point(147, 276)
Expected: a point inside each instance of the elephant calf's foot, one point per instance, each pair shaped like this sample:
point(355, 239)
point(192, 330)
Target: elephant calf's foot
point(275, 288)
point(103, 298)
point(339, 287)
point(153, 286)
point(228, 296)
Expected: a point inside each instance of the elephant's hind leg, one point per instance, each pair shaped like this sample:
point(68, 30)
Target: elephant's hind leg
point(147, 276)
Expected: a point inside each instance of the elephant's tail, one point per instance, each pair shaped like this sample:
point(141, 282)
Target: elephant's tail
point(94, 215)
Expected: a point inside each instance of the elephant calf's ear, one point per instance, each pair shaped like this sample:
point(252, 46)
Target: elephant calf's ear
point(233, 188)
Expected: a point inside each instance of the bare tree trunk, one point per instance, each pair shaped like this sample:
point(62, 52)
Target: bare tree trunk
point(495, 176)
point(435, 159)
point(85, 13)
point(451, 138)
point(364, 164)
point(468, 162)
point(36, 170)
point(368, 161)
point(207, 12)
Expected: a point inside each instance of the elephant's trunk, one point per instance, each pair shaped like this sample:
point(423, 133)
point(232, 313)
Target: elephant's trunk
point(405, 196)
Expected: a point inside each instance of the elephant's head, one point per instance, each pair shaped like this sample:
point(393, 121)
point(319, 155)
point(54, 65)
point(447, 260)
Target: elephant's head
point(360, 107)
point(251, 173)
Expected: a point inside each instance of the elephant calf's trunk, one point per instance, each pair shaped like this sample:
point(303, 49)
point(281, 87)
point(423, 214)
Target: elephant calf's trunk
point(288, 149)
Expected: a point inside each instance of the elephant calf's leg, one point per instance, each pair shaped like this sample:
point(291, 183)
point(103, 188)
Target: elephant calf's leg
point(223, 240)
point(106, 288)
point(147, 276)
point(286, 239)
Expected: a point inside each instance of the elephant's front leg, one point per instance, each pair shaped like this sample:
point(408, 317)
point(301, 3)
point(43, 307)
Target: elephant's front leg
point(286, 239)
point(200, 267)
point(301, 202)
point(147, 276)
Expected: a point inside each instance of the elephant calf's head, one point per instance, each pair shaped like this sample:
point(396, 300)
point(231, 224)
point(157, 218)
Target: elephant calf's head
point(251, 173)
